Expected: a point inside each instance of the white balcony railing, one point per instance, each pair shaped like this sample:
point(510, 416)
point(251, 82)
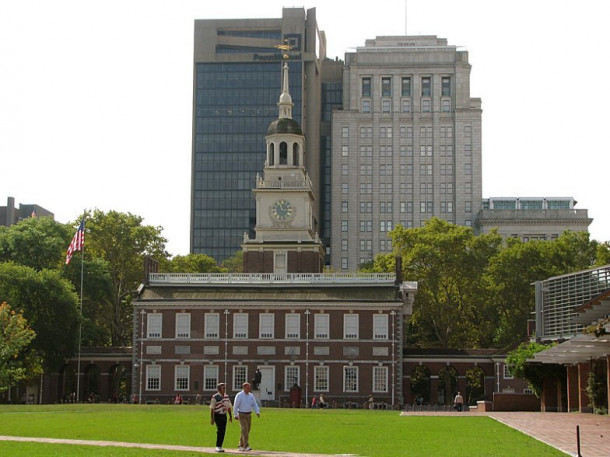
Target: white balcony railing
point(272, 278)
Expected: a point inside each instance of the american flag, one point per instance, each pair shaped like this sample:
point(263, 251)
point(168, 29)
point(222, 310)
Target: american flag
point(77, 242)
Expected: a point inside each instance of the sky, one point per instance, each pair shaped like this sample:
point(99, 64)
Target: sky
point(96, 96)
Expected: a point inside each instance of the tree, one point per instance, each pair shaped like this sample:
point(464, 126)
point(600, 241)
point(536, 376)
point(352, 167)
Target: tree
point(190, 263)
point(448, 261)
point(513, 271)
point(49, 304)
point(533, 373)
point(234, 264)
point(122, 241)
point(97, 310)
point(603, 254)
point(382, 263)
point(15, 337)
point(38, 242)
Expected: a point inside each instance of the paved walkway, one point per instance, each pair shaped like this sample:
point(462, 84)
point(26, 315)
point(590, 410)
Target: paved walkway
point(555, 429)
point(200, 450)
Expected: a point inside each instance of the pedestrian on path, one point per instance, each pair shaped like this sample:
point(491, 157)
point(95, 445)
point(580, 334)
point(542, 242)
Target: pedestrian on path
point(245, 403)
point(458, 402)
point(220, 409)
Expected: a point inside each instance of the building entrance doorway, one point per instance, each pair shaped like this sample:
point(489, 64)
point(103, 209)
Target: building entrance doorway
point(267, 385)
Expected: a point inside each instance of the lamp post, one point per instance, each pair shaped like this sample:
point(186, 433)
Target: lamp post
point(393, 314)
point(226, 313)
point(307, 313)
point(142, 314)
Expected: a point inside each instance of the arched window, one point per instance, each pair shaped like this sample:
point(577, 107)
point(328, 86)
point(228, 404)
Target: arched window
point(420, 384)
point(447, 385)
point(271, 154)
point(283, 153)
point(295, 154)
point(475, 384)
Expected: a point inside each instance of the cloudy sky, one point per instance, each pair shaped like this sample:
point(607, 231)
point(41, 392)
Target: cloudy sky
point(96, 96)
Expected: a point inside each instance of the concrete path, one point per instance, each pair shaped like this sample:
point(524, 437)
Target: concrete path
point(555, 429)
point(200, 450)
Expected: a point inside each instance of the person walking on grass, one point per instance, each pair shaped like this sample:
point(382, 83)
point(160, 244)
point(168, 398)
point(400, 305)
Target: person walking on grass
point(245, 403)
point(220, 409)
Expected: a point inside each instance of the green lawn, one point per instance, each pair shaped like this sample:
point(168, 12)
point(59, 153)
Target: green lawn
point(365, 433)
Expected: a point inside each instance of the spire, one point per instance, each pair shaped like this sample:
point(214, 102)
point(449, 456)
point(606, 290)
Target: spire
point(285, 104)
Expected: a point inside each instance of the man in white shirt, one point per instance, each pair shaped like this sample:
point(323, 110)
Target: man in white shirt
point(245, 403)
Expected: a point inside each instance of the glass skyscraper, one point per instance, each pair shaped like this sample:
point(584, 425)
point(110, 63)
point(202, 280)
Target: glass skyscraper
point(236, 79)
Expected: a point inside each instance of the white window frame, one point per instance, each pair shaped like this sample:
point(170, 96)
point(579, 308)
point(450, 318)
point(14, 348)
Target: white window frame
point(321, 381)
point(182, 374)
point(153, 377)
point(291, 372)
point(266, 326)
point(183, 325)
point(352, 379)
point(321, 326)
point(293, 326)
point(380, 327)
point(154, 325)
point(240, 325)
point(380, 379)
point(240, 375)
point(506, 372)
point(210, 377)
point(212, 326)
point(350, 326)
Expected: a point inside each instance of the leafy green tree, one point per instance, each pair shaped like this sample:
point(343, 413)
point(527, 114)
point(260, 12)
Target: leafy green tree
point(448, 261)
point(97, 310)
point(15, 337)
point(512, 272)
point(234, 264)
point(38, 242)
point(50, 306)
point(190, 263)
point(122, 241)
point(603, 254)
point(533, 373)
point(382, 263)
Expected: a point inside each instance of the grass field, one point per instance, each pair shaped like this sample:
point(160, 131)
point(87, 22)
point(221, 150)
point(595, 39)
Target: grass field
point(364, 433)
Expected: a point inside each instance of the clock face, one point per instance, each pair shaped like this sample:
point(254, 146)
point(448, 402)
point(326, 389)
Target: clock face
point(282, 211)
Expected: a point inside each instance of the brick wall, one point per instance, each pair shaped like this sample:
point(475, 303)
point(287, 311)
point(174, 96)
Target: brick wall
point(515, 402)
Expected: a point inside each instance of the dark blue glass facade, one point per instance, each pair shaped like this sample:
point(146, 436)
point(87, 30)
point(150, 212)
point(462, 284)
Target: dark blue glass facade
point(332, 97)
point(234, 105)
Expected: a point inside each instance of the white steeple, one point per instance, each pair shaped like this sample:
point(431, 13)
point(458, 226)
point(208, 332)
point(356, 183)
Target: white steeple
point(285, 104)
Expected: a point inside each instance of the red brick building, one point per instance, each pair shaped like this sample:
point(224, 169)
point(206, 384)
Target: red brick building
point(308, 334)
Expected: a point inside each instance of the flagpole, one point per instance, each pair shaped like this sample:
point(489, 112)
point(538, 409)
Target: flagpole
point(80, 320)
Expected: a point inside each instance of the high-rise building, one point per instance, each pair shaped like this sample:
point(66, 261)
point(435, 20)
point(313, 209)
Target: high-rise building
point(406, 145)
point(531, 218)
point(236, 76)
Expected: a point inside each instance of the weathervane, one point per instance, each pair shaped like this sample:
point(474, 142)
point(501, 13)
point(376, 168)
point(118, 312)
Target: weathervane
point(285, 48)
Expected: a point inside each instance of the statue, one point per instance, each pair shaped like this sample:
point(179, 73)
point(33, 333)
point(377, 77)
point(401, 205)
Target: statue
point(258, 376)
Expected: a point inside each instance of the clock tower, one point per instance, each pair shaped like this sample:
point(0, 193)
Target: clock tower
point(286, 238)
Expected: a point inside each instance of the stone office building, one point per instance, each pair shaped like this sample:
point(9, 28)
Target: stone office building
point(406, 144)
